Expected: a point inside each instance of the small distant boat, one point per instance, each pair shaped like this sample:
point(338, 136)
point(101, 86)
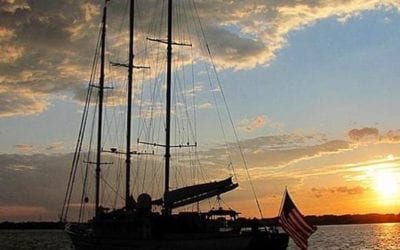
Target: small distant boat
point(146, 223)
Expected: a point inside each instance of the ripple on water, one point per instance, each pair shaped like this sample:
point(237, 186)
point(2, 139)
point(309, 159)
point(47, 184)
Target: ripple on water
point(34, 239)
point(355, 237)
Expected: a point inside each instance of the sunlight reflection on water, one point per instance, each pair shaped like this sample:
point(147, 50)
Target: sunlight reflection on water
point(367, 236)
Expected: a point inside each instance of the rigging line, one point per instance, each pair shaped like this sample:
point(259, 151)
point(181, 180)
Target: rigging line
point(111, 187)
point(87, 165)
point(117, 171)
point(200, 169)
point(82, 205)
point(150, 125)
point(237, 139)
point(181, 92)
point(108, 103)
point(89, 151)
point(75, 160)
point(151, 121)
point(214, 95)
point(156, 78)
point(104, 177)
point(117, 181)
point(230, 118)
point(193, 129)
point(80, 137)
point(211, 86)
point(141, 90)
point(125, 14)
point(220, 119)
point(180, 96)
point(78, 151)
point(187, 20)
point(223, 201)
point(175, 120)
point(156, 176)
point(76, 154)
point(158, 71)
point(159, 163)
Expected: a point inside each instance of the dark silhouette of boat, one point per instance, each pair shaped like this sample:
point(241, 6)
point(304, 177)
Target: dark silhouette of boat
point(137, 225)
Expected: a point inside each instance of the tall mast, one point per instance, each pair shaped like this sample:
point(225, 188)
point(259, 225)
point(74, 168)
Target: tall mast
point(168, 105)
point(100, 114)
point(129, 111)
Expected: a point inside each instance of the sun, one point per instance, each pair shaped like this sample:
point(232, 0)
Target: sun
point(386, 184)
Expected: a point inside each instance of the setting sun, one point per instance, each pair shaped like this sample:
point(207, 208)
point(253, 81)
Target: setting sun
point(386, 184)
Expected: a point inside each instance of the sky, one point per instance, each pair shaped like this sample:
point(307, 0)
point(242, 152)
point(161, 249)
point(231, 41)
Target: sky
point(312, 87)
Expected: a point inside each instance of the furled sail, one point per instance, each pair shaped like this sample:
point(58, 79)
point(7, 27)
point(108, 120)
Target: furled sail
point(191, 194)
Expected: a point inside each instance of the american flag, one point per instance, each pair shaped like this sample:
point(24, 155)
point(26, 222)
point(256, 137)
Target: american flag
point(293, 222)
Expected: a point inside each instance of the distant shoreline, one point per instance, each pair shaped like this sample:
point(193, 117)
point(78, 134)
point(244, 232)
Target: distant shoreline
point(313, 219)
point(353, 219)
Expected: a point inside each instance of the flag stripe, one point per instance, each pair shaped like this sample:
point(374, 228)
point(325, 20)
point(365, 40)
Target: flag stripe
point(292, 231)
point(298, 230)
point(295, 233)
point(293, 222)
point(295, 230)
point(300, 218)
point(298, 239)
point(300, 224)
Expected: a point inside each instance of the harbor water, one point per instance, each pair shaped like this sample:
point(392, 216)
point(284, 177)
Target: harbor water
point(335, 237)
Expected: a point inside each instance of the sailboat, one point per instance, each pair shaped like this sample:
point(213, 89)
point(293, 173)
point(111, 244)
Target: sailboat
point(146, 222)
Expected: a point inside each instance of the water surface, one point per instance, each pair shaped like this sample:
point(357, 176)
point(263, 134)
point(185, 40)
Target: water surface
point(367, 236)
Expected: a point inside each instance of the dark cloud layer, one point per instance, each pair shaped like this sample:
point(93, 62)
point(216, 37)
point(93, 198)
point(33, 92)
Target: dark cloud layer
point(278, 151)
point(373, 135)
point(35, 184)
point(356, 190)
point(358, 134)
point(38, 181)
point(33, 181)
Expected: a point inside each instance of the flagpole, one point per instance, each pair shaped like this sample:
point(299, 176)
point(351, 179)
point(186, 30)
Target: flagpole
point(283, 200)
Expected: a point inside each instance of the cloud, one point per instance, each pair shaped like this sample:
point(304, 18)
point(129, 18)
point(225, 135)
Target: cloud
point(387, 20)
point(32, 185)
point(10, 53)
point(268, 154)
point(273, 162)
point(58, 46)
point(364, 133)
point(391, 136)
point(6, 34)
point(24, 147)
point(21, 168)
point(355, 190)
point(56, 146)
point(262, 26)
point(12, 6)
point(22, 213)
point(373, 135)
point(205, 105)
point(250, 125)
point(30, 148)
point(21, 102)
point(38, 54)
